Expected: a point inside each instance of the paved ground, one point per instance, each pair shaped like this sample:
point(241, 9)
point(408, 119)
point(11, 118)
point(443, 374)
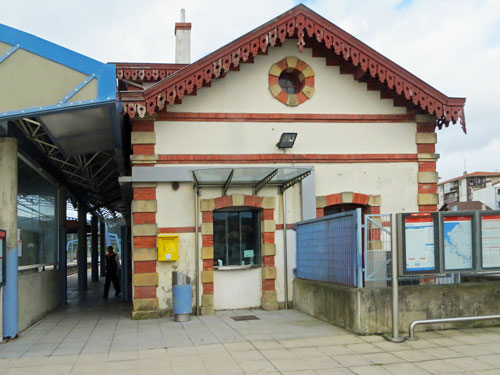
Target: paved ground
point(92, 336)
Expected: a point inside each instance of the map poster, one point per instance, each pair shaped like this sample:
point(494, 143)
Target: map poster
point(458, 243)
point(490, 241)
point(419, 244)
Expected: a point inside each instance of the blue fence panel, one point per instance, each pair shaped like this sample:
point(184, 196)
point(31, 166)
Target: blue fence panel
point(328, 249)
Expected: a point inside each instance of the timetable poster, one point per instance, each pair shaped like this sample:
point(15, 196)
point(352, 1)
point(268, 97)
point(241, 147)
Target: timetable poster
point(490, 240)
point(419, 241)
point(457, 238)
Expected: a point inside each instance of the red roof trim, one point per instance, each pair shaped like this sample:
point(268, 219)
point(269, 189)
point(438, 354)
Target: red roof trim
point(146, 71)
point(473, 174)
point(298, 22)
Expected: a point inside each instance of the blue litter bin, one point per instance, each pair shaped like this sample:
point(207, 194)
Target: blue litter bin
point(181, 296)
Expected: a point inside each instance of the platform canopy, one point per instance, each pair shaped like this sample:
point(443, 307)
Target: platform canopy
point(256, 177)
point(62, 108)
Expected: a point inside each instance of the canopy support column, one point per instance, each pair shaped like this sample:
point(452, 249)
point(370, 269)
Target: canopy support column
point(82, 246)
point(8, 222)
point(95, 251)
point(102, 250)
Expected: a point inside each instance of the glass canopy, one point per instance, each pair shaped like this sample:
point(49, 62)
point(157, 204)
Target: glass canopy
point(257, 177)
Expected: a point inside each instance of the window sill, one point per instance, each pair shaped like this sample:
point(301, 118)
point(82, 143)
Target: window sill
point(236, 268)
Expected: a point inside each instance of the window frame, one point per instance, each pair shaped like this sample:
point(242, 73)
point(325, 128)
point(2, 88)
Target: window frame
point(258, 262)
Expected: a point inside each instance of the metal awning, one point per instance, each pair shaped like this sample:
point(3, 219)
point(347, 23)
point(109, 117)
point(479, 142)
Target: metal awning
point(62, 108)
point(256, 177)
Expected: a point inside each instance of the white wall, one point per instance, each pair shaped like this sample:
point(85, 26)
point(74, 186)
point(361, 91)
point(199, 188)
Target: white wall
point(237, 289)
point(38, 294)
point(176, 209)
point(247, 91)
point(395, 182)
point(261, 138)
point(486, 196)
point(463, 190)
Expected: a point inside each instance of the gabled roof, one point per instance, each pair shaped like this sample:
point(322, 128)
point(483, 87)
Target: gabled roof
point(307, 27)
point(473, 174)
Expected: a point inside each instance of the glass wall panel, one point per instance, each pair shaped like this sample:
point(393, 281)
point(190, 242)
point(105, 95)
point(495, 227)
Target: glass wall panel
point(36, 217)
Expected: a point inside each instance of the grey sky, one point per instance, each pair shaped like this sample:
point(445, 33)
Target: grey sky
point(452, 45)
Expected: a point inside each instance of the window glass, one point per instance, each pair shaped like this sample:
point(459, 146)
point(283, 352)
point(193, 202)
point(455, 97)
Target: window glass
point(36, 217)
point(236, 238)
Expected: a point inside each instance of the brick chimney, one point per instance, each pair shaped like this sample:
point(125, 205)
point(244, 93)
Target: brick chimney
point(183, 40)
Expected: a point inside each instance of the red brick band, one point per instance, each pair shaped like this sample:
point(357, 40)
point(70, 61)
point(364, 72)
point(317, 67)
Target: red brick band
point(284, 117)
point(284, 158)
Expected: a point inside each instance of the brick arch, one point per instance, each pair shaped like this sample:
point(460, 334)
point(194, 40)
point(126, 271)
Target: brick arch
point(371, 202)
point(267, 205)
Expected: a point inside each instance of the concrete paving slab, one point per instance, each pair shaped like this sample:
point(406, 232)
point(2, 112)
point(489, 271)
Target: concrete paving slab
point(92, 336)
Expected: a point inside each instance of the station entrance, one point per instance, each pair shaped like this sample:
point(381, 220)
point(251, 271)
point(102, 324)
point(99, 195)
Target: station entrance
point(61, 157)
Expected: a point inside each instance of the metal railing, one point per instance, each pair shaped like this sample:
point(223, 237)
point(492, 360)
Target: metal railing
point(411, 331)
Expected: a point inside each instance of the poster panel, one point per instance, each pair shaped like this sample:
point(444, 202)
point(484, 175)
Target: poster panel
point(420, 244)
point(490, 241)
point(458, 242)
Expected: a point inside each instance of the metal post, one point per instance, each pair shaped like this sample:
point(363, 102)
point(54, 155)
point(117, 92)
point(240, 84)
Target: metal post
point(196, 252)
point(102, 250)
point(63, 254)
point(82, 247)
point(8, 222)
point(285, 250)
point(395, 293)
point(95, 251)
point(125, 263)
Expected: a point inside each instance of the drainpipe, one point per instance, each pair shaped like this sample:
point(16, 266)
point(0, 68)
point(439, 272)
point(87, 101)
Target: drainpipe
point(197, 254)
point(285, 250)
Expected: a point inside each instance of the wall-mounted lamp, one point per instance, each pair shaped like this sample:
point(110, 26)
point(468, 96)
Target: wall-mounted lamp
point(287, 140)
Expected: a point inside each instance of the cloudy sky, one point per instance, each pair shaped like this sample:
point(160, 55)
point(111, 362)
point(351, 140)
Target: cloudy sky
point(454, 45)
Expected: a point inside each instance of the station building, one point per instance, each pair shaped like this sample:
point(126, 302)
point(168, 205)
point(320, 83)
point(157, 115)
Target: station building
point(213, 162)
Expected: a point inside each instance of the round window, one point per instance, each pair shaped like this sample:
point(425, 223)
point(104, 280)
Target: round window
point(291, 81)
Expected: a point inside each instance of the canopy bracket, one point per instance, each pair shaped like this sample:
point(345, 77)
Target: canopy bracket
point(264, 181)
point(293, 181)
point(227, 183)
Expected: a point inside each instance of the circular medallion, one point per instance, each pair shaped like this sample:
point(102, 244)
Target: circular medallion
point(291, 81)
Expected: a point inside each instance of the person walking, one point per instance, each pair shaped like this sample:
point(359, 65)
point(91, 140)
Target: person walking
point(112, 263)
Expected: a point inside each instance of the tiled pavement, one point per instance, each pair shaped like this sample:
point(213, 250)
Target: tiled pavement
point(92, 336)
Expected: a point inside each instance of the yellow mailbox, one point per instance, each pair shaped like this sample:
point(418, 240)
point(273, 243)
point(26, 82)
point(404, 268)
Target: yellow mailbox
point(168, 247)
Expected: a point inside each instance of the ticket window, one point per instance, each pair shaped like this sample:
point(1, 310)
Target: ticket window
point(236, 238)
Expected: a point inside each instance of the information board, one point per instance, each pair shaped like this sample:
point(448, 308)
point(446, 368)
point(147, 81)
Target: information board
point(490, 241)
point(420, 243)
point(458, 242)
point(3, 254)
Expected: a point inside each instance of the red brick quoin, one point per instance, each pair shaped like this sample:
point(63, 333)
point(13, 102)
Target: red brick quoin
point(208, 241)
